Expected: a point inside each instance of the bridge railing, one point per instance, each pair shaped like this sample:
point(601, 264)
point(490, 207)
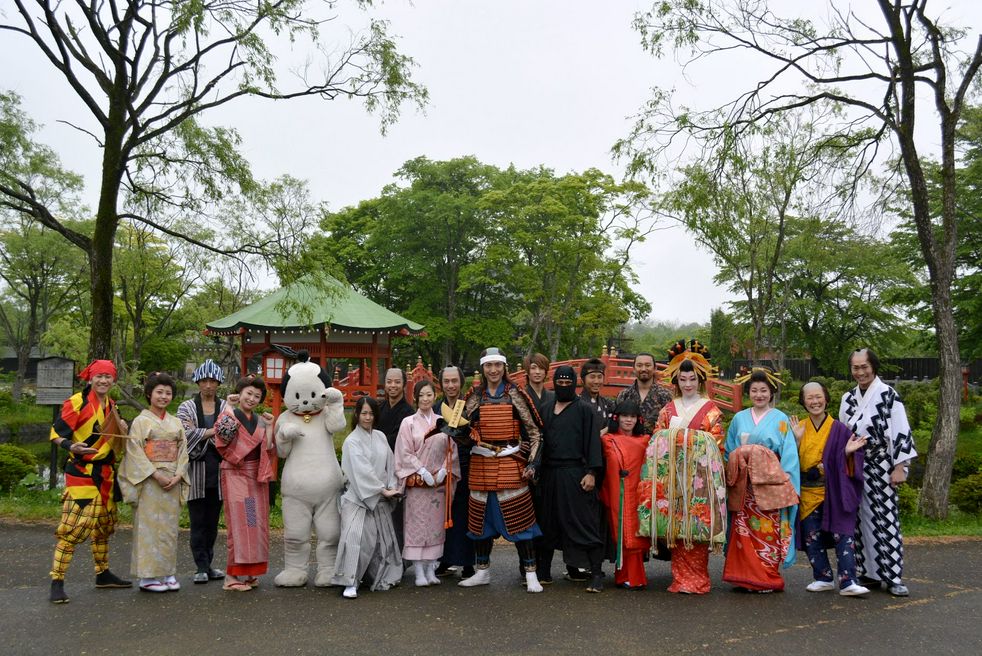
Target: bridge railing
point(619, 374)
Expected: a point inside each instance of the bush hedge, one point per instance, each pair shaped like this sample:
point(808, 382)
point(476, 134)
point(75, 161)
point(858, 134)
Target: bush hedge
point(15, 464)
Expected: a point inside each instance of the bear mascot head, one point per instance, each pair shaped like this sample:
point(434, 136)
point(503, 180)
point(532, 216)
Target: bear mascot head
point(305, 386)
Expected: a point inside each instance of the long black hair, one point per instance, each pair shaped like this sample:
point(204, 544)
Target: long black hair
point(626, 408)
point(359, 405)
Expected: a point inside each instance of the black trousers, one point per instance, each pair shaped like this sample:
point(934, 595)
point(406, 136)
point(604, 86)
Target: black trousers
point(204, 514)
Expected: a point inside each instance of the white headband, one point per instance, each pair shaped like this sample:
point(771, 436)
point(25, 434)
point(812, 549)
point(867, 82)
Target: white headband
point(493, 357)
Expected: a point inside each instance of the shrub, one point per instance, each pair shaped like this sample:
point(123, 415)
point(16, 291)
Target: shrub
point(921, 402)
point(967, 465)
point(33, 481)
point(18, 453)
point(12, 470)
point(907, 497)
point(966, 493)
point(967, 417)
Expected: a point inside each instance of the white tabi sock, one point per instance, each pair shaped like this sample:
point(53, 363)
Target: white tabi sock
point(532, 582)
point(431, 576)
point(481, 577)
point(421, 580)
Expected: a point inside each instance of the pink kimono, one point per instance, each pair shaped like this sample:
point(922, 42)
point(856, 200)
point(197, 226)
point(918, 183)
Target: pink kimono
point(424, 530)
point(248, 466)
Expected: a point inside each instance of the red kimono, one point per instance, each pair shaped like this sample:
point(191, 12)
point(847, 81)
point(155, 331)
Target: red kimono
point(690, 567)
point(623, 458)
point(248, 466)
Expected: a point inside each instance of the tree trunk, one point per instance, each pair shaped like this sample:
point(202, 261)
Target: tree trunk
point(24, 348)
point(101, 250)
point(941, 267)
point(23, 355)
point(100, 282)
point(944, 439)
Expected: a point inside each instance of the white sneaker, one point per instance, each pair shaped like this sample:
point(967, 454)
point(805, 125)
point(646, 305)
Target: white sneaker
point(854, 590)
point(481, 577)
point(820, 586)
point(351, 592)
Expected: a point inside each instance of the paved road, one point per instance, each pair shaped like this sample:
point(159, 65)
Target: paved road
point(940, 617)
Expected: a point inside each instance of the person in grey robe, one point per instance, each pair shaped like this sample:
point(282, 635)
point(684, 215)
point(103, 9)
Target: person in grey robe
point(368, 546)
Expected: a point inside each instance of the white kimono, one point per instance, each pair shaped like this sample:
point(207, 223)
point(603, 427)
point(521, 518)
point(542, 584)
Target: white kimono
point(368, 541)
point(880, 415)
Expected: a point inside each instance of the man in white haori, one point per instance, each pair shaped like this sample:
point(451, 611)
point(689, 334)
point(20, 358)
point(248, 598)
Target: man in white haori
point(873, 410)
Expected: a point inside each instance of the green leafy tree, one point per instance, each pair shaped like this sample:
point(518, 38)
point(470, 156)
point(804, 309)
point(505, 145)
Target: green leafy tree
point(40, 278)
point(556, 249)
point(521, 259)
point(835, 296)
point(740, 199)
point(875, 66)
point(152, 278)
point(410, 248)
point(150, 72)
point(965, 288)
point(229, 288)
point(722, 331)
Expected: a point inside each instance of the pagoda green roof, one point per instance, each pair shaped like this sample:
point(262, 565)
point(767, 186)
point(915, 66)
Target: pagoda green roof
point(340, 308)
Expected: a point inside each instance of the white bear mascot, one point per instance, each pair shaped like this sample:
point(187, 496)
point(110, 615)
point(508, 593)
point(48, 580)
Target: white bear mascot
point(312, 480)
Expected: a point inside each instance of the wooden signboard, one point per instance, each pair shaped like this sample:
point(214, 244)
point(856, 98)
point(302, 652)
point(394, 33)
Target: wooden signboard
point(54, 380)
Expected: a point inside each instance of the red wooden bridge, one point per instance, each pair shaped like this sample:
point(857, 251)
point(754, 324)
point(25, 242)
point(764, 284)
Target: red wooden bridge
point(619, 375)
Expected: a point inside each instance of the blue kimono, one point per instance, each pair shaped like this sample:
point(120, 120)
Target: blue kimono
point(774, 433)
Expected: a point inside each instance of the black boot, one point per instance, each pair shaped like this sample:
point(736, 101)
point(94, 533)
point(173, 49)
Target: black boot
point(106, 579)
point(596, 583)
point(58, 595)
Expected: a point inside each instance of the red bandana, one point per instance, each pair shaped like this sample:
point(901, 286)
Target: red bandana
point(97, 367)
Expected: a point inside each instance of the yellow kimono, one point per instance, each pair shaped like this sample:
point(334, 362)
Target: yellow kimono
point(155, 444)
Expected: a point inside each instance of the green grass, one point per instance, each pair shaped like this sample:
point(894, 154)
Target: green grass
point(957, 523)
point(44, 505)
point(40, 505)
point(969, 442)
point(15, 415)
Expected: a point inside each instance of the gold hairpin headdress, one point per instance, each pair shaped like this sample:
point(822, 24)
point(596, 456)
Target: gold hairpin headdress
point(696, 353)
point(771, 377)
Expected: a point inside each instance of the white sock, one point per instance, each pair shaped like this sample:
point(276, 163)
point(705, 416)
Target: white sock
point(481, 577)
point(532, 582)
point(421, 579)
point(431, 573)
point(350, 592)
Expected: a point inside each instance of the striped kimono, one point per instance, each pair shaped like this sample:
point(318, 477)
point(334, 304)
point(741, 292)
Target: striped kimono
point(879, 415)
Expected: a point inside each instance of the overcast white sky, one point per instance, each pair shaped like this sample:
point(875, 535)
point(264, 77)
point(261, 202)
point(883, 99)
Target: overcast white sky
point(550, 82)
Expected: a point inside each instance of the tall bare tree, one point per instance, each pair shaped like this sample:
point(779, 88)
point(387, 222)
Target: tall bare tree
point(147, 71)
point(880, 67)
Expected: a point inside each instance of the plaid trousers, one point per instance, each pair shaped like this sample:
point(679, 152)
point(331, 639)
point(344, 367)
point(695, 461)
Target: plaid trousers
point(78, 522)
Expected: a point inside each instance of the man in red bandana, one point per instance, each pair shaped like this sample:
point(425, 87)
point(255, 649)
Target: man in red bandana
point(86, 428)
